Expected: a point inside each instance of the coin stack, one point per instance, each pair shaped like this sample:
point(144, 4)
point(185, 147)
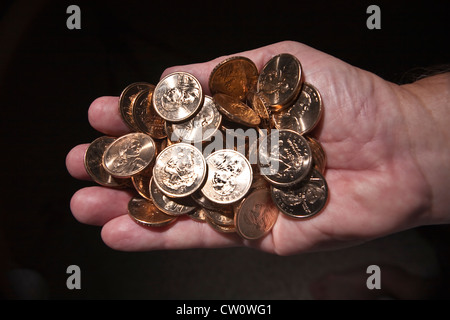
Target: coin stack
point(176, 160)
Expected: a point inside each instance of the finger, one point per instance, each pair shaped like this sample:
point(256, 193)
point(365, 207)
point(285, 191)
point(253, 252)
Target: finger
point(75, 162)
point(98, 205)
point(122, 233)
point(104, 116)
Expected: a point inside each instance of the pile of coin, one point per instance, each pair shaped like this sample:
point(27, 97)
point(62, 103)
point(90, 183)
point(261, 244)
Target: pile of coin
point(233, 159)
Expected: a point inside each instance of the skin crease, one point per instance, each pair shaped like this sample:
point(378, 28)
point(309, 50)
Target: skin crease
point(379, 176)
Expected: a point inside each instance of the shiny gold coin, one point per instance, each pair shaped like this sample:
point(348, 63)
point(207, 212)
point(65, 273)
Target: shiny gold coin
point(229, 176)
point(180, 170)
point(126, 101)
point(129, 155)
point(304, 200)
point(281, 80)
point(304, 115)
point(145, 116)
point(178, 97)
point(234, 76)
point(93, 164)
point(145, 213)
point(256, 215)
point(284, 158)
point(236, 111)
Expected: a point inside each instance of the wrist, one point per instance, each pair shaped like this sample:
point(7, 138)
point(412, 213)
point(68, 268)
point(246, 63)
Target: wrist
point(425, 105)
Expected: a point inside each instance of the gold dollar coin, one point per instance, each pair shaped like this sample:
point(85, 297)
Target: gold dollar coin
point(178, 97)
point(180, 170)
point(281, 80)
point(129, 155)
point(256, 215)
point(235, 76)
point(284, 158)
point(229, 176)
point(304, 200)
point(304, 115)
point(145, 213)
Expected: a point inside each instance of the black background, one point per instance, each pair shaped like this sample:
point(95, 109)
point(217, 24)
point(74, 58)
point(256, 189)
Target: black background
point(50, 75)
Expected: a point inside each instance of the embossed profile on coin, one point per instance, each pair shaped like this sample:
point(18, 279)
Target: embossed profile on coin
point(128, 155)
point(229, 176)
point(280, 80)
point(304, 114)
point(304, 200)
point(256, 215)
point(287, 161)
point(200, 128)
point(178, 96)
point(180, 170)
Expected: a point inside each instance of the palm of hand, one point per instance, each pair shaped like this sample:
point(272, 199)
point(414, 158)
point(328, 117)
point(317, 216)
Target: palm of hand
point(372, 177)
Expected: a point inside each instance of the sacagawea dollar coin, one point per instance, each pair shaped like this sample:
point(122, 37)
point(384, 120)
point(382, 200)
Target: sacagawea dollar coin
point(229, 176)
point(129, 155)
point(280, 80)
point(178, 97)
point(304, 200)
point(180, 170)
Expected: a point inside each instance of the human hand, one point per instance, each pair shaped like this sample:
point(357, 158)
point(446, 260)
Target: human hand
point(377, 180)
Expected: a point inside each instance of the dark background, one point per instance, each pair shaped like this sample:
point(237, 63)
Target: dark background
point(49, 75)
